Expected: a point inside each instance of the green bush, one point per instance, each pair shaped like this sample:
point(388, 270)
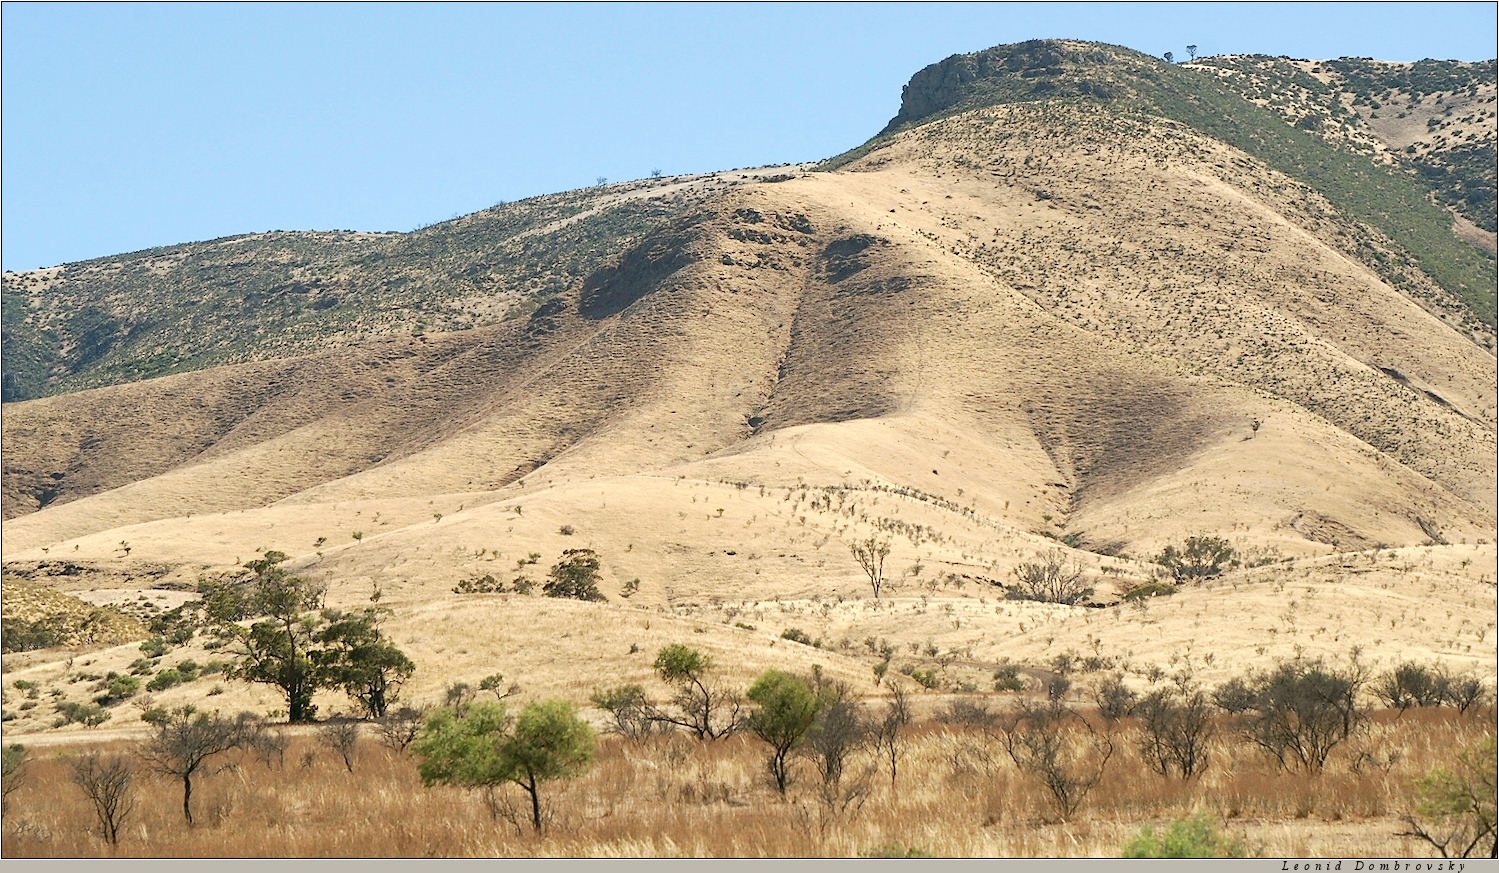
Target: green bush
point(1194, 837)
point(168, 678)
point(796, 635)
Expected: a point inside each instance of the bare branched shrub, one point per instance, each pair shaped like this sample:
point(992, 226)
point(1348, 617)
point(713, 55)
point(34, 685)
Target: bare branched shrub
point(343, 738)
point(1057, 746)
point(400, 728)
point(1115, 700)
point(1053, 579)
point(1175, 731)
point(258, 737)
point(108, 783)
point(889, 731)
point(1298, 712)
point(631, 715)
point(871, 554)
point(182, 743)
point(1411, 685)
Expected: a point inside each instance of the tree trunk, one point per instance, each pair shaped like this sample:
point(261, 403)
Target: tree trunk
point(187, 797)
point(531, 789)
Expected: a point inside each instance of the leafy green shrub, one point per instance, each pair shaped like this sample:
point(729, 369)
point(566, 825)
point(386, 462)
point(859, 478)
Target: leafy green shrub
point(1007, 678)
point(20, 635)
point(796, 635)
point(927, 678)
point(86, 714)
point(1455, 809)
point(576, 576)
point(118, 688)
point(1195, 837)
point(155, 647)
point(1199, 558)
point(168, 678)
point(485, 584)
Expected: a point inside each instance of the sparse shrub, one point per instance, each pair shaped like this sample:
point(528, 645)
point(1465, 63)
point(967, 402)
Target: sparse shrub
point(1195, 837)
point(1298, 712)
point(576, 576)
point(400, 728)
point(1411, 685)
point(1115, 700)
point(709, 712)
point(1175, 732)
point(155, 647)
point(927, 678)
point(1058, 747)
point(796, 635)
point(1050, 580)
point(631, 713)
point(108, 783)
point(343, 738)
point(1464, 692)
point(1199, 558)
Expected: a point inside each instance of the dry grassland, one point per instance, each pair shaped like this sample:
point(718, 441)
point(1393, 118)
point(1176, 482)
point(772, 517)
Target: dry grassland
point(957, 794)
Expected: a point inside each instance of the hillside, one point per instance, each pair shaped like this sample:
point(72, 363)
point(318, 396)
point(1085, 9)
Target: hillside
point(1056, 304)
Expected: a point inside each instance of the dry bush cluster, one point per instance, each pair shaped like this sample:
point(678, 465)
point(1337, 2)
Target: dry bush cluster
point(974, 783)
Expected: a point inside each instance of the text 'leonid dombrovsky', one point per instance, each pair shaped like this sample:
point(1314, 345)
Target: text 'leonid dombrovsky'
point(1376, 866)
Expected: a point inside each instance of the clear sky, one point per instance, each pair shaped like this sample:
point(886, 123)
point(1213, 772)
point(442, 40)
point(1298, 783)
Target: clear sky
point(127, 126)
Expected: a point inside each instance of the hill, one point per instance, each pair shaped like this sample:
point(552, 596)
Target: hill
point(1099, 315)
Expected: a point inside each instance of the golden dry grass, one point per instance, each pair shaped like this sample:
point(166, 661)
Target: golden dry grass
point(958, 795)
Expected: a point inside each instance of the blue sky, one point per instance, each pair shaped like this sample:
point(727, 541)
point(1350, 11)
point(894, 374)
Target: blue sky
point(127, 126)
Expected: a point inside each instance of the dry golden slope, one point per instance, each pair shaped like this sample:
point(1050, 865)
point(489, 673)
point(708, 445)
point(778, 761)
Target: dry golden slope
point(1014, 323)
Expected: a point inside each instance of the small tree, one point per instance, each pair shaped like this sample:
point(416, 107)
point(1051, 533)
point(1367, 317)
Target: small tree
point(478, 749)
point(356, 656)
point(182, 743)
point(1192, 52)
point(839, 728)
point(1200, 557)
point(576, 576)
point(1410, 685)
point(871, 554)
point(710, 713)
point(1170, 58)
point(108, 783)
point(787, 709)
point(277, 650)
point(1051, 580)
